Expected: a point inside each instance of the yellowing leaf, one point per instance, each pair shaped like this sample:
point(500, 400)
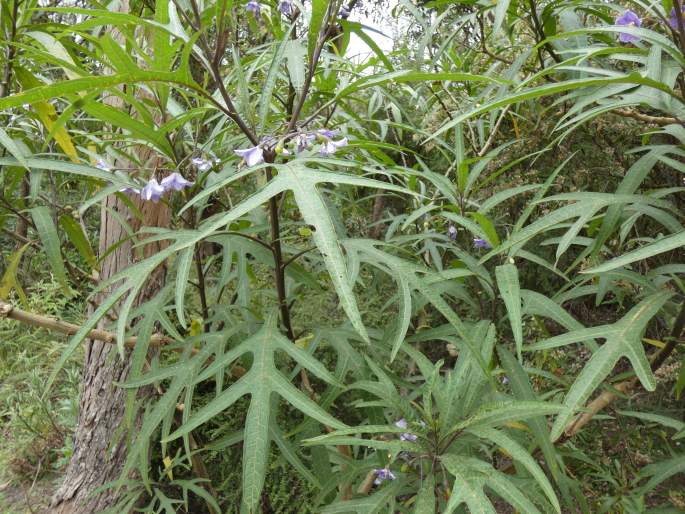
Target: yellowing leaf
point(303, 342)
point(195, 327)
point(517, 425)
point(504, 452)
point(168, 468)
point(9, 279)
point(47, 114)
point(654, 342)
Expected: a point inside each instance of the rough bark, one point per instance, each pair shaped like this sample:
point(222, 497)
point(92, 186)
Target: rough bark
point(99, 444)
point(99, 441)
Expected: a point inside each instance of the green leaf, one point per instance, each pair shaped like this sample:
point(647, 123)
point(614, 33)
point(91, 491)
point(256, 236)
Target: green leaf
point(78, 238)
point(295, 54)
point(551, 89)
point(496, 199)
point(425, 500)
point(499, 413)
point(403, 315)
point(67, 167)
point(468, 485)
point(623, 339)
point(587, 204)
point(665, 244)
point(520, 454)
point(304, 182)
point(523, 390)
point(656, 418)
point(507, 490)
point(417, 278)
point(487, 226)
point(371, 504)
point(270, 82)
point(536, 304)
point(47, 92)
point(185, 260)
point(403, 76)
point(661, 471)
point(508, 283)
point(57, 51)
point(13, 148)
point(261, 381)
point(500, 12)
point(137, 129)
point(47, 232)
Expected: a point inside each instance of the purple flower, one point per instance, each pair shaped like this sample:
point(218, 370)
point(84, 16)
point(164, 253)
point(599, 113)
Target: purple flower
point(330, 147)
point(327, 133)
point(303, 141)
point(128, 189)
point(176, 182)
point(344, 13)
point(201, 164)
point(452, 232)
point(481, 243)
point(673, 19)
point(101, 164)
point(152, 191)
point(383, 475)
point(402, 423)
point(285, 7)
point(254, 7)
point(252, 156)
point(628, 19)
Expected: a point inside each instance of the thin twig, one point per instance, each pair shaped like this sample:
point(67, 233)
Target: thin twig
point(656, 120)
point(324, 31)
point(7, 310)
point(494, 131)
point(298, 254)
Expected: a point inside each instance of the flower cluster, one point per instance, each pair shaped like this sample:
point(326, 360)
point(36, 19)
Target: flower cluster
point(154, 190)
point(285, 7)
point(302, 141)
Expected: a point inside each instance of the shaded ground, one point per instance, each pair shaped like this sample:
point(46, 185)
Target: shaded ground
point(27, 499)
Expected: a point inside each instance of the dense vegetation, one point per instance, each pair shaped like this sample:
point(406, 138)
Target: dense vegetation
point(442, 278)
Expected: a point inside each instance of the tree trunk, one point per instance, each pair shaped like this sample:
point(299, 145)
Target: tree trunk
point(99, 443)
point(100, 438)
